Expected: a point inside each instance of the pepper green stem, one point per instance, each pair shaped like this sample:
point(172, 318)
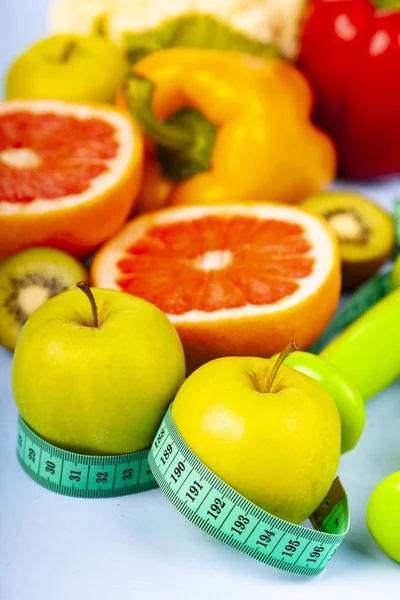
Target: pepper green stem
point(139, 94)
point(290, 348)
point(84, 286)
point(185, 141)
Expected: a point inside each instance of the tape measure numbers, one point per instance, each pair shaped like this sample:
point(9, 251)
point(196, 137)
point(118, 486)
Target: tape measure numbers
point(226, 515)
point(81, 475)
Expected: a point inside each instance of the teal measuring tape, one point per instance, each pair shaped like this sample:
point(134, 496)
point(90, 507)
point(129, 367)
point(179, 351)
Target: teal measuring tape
point(81, 475)
point(226, 515)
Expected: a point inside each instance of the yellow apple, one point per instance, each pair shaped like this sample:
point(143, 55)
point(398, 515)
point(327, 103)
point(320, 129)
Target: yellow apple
point(278, 445)
point(97, 379)
point(69, 67)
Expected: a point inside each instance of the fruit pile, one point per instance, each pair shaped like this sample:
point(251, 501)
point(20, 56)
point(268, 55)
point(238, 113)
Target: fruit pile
point(186, 166)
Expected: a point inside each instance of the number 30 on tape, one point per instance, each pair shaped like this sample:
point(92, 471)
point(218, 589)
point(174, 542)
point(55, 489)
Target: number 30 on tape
point(82, 475)
point(226, 515)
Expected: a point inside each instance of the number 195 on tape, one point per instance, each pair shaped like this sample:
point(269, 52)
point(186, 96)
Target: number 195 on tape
point(223, 513)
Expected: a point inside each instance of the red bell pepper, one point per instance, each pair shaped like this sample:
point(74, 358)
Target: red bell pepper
point(351, 53)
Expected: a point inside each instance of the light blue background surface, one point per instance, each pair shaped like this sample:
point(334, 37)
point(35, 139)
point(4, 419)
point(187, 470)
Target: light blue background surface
point(139, 547)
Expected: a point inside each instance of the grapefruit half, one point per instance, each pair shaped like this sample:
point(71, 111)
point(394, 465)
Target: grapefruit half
point(69, 174)
point(239, 280)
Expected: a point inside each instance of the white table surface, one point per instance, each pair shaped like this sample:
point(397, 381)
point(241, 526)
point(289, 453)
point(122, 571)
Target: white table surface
point(140, 547)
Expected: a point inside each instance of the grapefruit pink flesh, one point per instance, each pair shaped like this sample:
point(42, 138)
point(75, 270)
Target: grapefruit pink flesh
point(50, 156)
point(69, 174)
point(236, 280)
point(210, 263)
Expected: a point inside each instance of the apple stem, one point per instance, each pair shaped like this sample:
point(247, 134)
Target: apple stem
point(69, 48)
point(84, 286)
point(290, 348)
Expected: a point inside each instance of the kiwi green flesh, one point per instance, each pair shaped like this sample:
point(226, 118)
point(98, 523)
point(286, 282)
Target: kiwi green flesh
point(365, 233)
point(27, 280)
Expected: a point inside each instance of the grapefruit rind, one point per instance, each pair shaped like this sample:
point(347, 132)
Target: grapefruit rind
point(77, 224)
point(116, 167)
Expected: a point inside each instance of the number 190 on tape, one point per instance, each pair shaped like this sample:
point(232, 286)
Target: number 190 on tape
point(226, 515)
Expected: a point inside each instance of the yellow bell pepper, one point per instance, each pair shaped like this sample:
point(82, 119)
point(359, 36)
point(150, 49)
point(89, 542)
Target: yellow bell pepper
point(226, 127)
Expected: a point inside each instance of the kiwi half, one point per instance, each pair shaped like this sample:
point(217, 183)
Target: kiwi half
point(366, 233)
point(27, 280)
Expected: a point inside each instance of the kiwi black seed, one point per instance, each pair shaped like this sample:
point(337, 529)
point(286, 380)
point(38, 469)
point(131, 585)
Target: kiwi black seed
point(27, 280)
point(365, 232)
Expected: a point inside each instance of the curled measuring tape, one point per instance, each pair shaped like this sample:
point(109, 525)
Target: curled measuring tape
point(216, 508)
point(81, 475)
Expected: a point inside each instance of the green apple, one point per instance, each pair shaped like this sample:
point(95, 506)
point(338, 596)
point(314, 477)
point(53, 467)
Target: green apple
point(383, 515)
point(395, 275)
point(68, 67)
point(97, 377)
point(267, 430)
